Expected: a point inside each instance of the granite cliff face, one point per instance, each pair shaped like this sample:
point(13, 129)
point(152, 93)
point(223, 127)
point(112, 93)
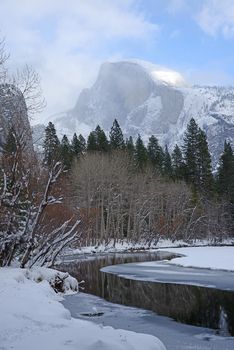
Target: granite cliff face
point(148, 99)
point(13, 113)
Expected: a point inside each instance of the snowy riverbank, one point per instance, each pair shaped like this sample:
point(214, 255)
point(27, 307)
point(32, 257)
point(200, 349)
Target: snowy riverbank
point(125, 246)
point(220, 258)
point(32, 316)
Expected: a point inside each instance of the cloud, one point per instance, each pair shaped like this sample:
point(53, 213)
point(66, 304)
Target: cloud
point(67, 40)
point(217, 18)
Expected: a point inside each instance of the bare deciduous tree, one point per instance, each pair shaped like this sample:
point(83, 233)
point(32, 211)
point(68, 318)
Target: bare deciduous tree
point(28, 81)
point(119, 203)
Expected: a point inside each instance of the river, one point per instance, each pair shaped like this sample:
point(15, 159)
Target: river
point(200, 305)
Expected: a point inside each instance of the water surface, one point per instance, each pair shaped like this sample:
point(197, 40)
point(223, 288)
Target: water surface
point(195, 305)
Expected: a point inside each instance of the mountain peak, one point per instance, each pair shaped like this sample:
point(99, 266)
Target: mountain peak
point(164, 75)
point(159, 74)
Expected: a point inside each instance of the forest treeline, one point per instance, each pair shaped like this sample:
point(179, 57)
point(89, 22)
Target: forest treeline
point(108, 189)
point(141, 192)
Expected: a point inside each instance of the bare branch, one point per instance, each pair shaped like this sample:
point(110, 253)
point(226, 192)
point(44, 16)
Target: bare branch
point(28, 82)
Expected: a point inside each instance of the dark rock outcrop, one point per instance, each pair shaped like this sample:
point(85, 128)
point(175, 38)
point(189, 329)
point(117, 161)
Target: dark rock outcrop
point(13, 114)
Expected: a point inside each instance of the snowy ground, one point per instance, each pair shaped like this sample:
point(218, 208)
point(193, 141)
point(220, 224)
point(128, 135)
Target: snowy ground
point(125, 246)
point(32, 317)
point(221, 258)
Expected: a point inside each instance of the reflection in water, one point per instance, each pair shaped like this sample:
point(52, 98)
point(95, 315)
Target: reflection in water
point(194, 305)
point(223, 323)
point(184, 303)
point(88, 267)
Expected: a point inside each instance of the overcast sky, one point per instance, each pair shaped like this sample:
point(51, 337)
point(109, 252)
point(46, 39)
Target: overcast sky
point(67, 40)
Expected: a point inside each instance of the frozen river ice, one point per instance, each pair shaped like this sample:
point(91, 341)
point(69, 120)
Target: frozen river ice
point(174, 335)
point(161, 271)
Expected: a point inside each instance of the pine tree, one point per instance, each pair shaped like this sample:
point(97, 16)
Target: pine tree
point(206, 180)
point(97, 140)
point(75, 144)
point(102, 142)
point(225, 176)
point(178, 165)
point(66, 153)
point(51, 146)
point(190, 149)
point(92, 144)
point(155, 153)
point(167, 164)
point(82, 141)
point(116, 136)
point(198, 169)
point(130, 148)
point(140, 154)
point(78, 145)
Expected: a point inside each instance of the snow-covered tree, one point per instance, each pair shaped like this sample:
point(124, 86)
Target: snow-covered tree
point(26, 190)
point(15, 197)
point(40, 248)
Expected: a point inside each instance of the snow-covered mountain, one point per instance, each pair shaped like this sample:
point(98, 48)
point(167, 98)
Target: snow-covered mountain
point(149, 99)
